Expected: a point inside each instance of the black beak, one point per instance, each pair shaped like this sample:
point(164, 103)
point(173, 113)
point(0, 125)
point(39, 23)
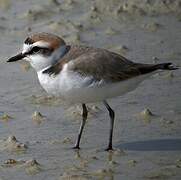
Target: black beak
point(16, 58)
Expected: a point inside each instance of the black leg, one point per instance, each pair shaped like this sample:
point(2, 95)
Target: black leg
point(111, 115)
point(84, 117)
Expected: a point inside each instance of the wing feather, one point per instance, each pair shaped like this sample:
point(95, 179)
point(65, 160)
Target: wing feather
point(104, 65)
point(100, 64)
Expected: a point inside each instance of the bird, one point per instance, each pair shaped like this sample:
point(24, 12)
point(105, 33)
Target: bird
point(83, 74)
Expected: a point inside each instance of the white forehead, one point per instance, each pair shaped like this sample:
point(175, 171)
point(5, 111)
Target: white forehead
point(27, 47)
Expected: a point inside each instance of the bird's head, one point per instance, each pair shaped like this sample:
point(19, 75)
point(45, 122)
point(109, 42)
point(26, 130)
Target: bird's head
point(41, 50)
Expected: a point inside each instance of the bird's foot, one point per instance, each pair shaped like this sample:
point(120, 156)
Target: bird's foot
point(76, 147)
point(109, 148)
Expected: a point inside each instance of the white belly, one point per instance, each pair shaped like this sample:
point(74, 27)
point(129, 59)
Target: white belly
point(77, 89)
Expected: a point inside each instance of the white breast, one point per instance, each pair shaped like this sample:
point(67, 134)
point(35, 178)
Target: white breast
point(75, 88)
point(64, 84)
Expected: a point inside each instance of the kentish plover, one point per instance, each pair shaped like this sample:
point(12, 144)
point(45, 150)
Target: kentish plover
point(81, 74)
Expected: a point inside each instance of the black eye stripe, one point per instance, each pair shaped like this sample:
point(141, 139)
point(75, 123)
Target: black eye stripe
point(37, 49)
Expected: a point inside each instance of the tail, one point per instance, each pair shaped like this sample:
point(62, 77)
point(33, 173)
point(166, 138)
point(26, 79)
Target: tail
point(147, 68)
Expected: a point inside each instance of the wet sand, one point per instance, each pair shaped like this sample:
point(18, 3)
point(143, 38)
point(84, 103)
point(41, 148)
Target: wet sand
point(37, 131)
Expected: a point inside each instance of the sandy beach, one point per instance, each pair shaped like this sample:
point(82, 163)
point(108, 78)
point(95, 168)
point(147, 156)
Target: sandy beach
point(37, 131)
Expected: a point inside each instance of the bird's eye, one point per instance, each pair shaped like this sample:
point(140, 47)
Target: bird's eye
point(42, 50)
point(35, 49)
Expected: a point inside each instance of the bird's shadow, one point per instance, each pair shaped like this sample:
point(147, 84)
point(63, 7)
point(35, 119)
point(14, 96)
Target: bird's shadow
point(152, 145)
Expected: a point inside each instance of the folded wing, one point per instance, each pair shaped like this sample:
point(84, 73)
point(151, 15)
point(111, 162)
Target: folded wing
point(102, 64)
